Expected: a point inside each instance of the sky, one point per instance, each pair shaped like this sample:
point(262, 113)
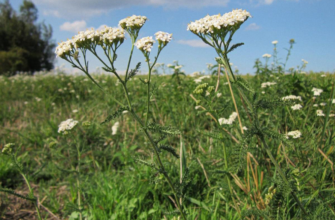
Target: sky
point(309, 22)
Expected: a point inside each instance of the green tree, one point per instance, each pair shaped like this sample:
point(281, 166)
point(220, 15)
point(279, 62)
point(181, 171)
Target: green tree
point(25, 45)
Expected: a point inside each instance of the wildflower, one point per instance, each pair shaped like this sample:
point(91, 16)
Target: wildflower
point(163, 38)
point(323, 75)
point(317, 91)
point(319, 112)
point(244, 128)
point(201, 78)
point(228, 121)
point(133, 22)
point(75, 110)
point(323, 104)
point(218, 95)
point(145, 44)
point(197, 107)
point(266, 55)
point(178, 67)
point(115, 128)
point(67, 125)
point(304, 61)
point(291, 97)
point(294, 134)
point(217, 23)
point(315, 105)
point(333, 101)
point(266, 84)
point(125, 112)
point(296, 107)
point(275, 42)
point(8, 148)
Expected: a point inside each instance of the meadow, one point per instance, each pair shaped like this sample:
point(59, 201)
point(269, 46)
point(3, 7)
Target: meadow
point(115, 185)
point(154, 146)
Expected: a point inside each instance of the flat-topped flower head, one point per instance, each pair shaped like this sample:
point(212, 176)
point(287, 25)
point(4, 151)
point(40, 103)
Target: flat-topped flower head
point(67, 125)
point(163, 38)
point(295, 134)
point(133, 22)
point(64, 48)
point(226, 22)
point(267, 55)
point(145, 44)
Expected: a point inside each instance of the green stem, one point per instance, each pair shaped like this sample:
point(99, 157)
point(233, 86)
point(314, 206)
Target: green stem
point(29, 187)
point(78, 183)
point(228, 180)
point(162, 169)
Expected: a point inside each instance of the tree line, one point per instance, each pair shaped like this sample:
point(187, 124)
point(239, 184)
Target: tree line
point(25, 45)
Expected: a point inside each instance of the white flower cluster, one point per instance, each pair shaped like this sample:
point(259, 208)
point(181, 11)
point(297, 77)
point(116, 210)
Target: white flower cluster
point(115, 128)
point(163, 37)
point(296, 107)
point(266, 84)
point(304, 61)
point(67, 125)
point(209, 24)
point(199, 80)
point(266, 55)
point(133, 22)
point(145, 44)
point(228, 121)
point(292, 97)
point(294, 134)
point(275, 42)
point(333, 101)
point(83, 39)
point(319, 113)
point(317, 91)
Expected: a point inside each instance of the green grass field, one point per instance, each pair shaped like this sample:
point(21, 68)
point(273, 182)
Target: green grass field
point(225, 174)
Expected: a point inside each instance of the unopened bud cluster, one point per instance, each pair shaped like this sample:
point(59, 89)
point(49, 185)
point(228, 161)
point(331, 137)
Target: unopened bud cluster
point(8, 148)
point(203, 89)
point(217, 23)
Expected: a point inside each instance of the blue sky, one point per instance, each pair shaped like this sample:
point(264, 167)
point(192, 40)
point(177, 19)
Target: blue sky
point(309, 22)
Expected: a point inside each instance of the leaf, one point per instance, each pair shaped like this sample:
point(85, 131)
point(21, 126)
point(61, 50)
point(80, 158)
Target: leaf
point(234, 47)
point(169, 149)
point(163, 129)
point(133, 72)
point(197, 202)
point(116, 114)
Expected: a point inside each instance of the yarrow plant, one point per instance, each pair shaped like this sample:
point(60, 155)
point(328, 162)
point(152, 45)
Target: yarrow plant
point(109, 40)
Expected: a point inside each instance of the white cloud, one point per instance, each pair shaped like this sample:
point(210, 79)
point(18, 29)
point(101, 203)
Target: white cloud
point(85, 8)
point(75, 26)
point(261, 2)
point(193, 43)
point(252, 27)
point(54, 13)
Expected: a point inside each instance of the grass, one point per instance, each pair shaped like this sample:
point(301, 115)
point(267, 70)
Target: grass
point(219, 183)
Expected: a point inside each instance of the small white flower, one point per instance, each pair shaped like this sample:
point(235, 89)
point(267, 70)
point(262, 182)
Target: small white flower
point(163, 37)
point(218, 95)
point(115, 128)
point(125, 112)
point(228, 121)
point(323, 75)
point(292, 97)
point(67, 125)
point(275, 42)
point(263, 92)
point(333, 101)
point(266, 84)
point(323, 104)
point(75, 110)
point(296, 107)
point(315, 105)
point(304, 61)
point(294, 134)
point(25, 103)
point(197, 107)
point(244, 128)
point(317, 91)
point(266, 55)
point(145, 44)
point(319, 112)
